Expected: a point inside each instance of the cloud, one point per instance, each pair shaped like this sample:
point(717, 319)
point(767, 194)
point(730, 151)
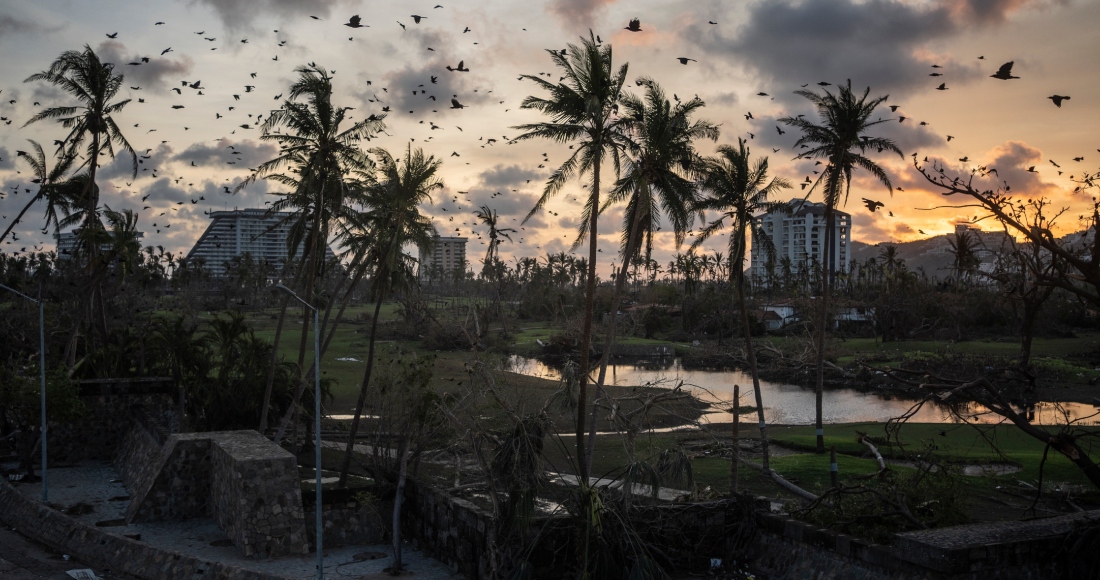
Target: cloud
point(150, 75)
point(579, 14)
point(403, 82)
point(236, 14)
point(11, 25)
point(881, 44)
point(507, 175)
point(7, 159)
point(506, 202)
point(245, 153)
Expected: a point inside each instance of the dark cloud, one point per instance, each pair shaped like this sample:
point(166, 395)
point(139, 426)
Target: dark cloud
point(401, 84)
point(505, 201)
point(579, 15)
point(727, 99)
point(236, 15)
point(502, 175)
point(158, 74)
point(122, 165)
point(11, 25)
point(882, 44)
point(245, 153)
point(7, 159)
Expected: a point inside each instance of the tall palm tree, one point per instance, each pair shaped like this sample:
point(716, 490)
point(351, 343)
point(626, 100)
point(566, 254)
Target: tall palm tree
point(315, 155)
point(740, 191)
point(48, 181)
point(94, 84)
point(964, 250)
point(582, 109)
point(391, 220)
point(841, 141)
point(657, 178)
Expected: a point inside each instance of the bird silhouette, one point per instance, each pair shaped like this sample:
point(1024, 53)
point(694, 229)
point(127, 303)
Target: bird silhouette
point(634, 26)
point(872, 205)
point(1058, 100)
point(459, 68)
point(417, 19)
point(113, 35)
point(457, 105)
point(684, 59)
point(942, 87)
point(1005, 72)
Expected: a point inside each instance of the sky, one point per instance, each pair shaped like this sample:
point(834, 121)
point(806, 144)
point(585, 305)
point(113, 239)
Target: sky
point(739, 49)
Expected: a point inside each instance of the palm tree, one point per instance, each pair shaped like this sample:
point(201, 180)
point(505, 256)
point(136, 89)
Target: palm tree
point(48, 181)
point(391, 220)
point(315, 155)
point(841, 142)
point(658, 168)
point(581, 108)
point(94, 84)
point(739, 191)
point(964, 249)
point(489, 218)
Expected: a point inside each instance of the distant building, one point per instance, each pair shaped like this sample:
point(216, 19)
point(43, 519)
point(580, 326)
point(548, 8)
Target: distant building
point(232, 234)
point(443, 259)
point(67, 243)
point(800, 236)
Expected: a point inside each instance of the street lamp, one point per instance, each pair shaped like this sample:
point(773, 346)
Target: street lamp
point(42, 379)
point(316, 424)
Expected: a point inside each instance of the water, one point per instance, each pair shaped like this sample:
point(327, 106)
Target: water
point(793, 404)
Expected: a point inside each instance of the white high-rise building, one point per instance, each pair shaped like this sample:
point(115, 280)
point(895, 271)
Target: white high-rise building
point(800, 236)
point(232, 234)
point(446, 256)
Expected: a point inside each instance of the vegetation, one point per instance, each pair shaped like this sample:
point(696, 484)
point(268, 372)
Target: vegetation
point(418, 369)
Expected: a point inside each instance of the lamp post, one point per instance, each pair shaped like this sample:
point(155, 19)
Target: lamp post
point(316, 425)
point(41, 377)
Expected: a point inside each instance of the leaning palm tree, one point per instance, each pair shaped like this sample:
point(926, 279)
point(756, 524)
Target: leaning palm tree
point(391, 219)
point(582, 109)
point(314, 157)
point(48, 181)
point(94, 84)
point(740, 191)
point(658, 171)
point(840, 140)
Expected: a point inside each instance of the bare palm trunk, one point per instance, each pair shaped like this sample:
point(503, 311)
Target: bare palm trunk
point(399, 498)
point(274, 359)
point(823, 323)
point(620, 283)
point(586, 329)
point(751, 354)
point(346, 466)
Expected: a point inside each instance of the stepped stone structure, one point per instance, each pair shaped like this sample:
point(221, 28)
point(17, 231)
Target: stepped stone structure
point(248, 485)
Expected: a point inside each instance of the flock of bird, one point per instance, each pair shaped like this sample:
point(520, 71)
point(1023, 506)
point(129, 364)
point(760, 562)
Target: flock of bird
point(246, 112)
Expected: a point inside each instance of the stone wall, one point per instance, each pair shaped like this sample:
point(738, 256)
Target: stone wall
point(98, 433)
point(101, 549)
point(449, 529)
point(255, 494)
point(178, 485)
point(139, 453)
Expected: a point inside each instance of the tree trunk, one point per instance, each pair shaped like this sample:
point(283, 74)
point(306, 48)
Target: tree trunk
point(271, 368)
point(632, 244)
point(586, 329)
point(11, 226)
point(751, 354)
point(399, 498)
point(346, 466)
point(823, 323)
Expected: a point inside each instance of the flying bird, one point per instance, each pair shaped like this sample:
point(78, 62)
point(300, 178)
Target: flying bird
point(113, 35)
point(634, 26)
point(457, 105)
point(1058, 100)
point(417, 19)
point(459, 68)
point(684, 59)
point(942, 87)
point(1005, 72)
point(873, 205)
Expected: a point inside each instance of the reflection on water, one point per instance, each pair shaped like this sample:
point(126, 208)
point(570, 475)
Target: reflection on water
point(793, 404)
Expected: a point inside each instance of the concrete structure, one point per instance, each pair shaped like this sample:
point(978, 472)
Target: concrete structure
point(67, 241)
point(443, 259)
point(232, 234)
point(800, 236)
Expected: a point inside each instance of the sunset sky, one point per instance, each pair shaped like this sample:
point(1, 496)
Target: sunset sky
point(771, 46)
